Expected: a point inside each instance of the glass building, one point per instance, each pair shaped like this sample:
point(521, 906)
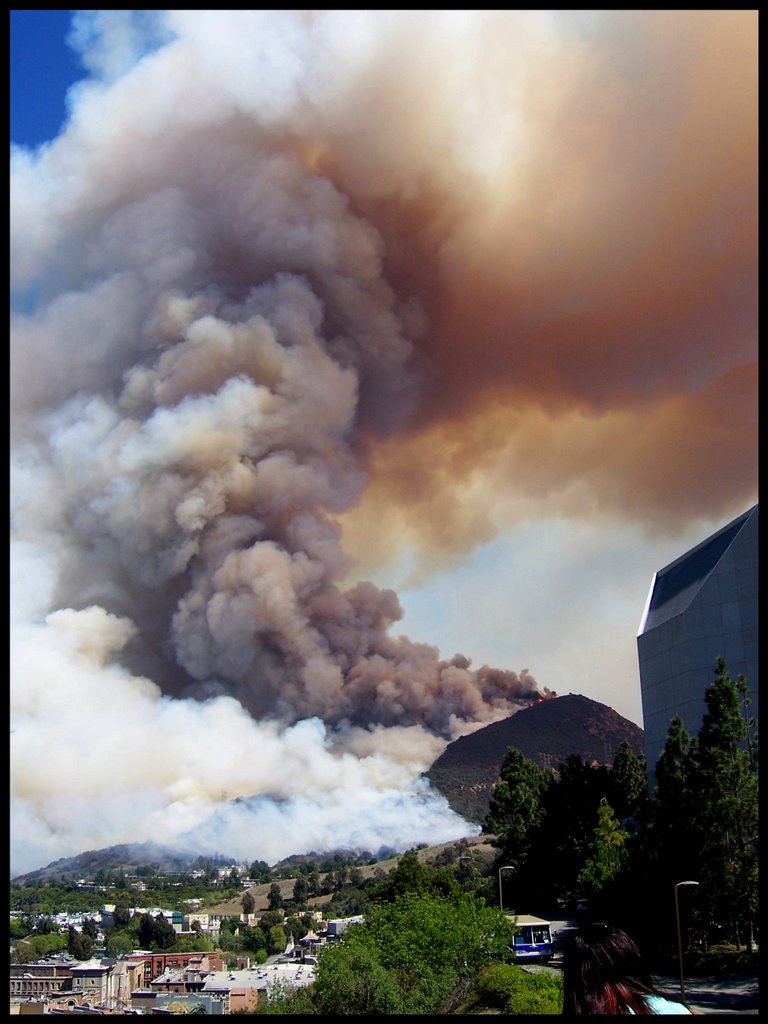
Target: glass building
point(701, 607)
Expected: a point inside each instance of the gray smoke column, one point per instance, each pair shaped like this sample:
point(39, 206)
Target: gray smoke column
point(206, 340)
point(228, 337)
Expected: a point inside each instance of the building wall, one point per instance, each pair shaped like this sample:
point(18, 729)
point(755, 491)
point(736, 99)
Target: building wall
point(714, 615)
point(39, 979)
point(156, 964)
point(92, 982)
point(188, 1001)
point(244, 1000)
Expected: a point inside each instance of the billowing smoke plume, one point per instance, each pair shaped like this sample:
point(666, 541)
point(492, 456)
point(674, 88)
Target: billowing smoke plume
point(290, 277)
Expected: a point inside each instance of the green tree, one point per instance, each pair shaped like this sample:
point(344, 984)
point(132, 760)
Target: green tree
point(352, 979)
point(121, 916)
point(164, 934)
point(409, 876)
point(727, 804)
point(513, 990)
point(189, 944)
point(300, 889)
point(231, 943)
point(20, 927)
point(254, 940)
point(230, 924)
point(705, 820)
point(80, 946)
point(416, 954)
point(155, 933)
point(34, 947)
point(349, 902)
point(561, 839)
point(629, 794)
point(118, 944)
point(271, 917)
point(671, 847)
point(276, 939)
point(608, 854)
point(248, 903)
point(259, 871)
point(275, 897)
point(515, 808)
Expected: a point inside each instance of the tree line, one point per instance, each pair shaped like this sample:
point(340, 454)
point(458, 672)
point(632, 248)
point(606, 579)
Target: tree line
point(603, 835)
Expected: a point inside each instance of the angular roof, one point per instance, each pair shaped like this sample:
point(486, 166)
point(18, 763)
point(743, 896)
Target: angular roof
point(675, 586)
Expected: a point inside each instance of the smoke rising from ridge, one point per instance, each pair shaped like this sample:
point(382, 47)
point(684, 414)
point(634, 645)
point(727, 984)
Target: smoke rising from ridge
point(287, 287)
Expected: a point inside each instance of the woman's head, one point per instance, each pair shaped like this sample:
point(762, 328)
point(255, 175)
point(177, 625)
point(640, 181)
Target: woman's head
point(604, 972)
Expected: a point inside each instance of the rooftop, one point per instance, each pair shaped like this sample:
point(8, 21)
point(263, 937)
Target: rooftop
point(676, 585)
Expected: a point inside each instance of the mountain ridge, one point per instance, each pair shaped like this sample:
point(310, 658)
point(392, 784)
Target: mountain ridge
point(547, 733)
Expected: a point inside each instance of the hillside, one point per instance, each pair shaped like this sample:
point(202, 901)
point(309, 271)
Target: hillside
point(126, 857)
point(132, 857)
point(480, 847)
point(547, 733)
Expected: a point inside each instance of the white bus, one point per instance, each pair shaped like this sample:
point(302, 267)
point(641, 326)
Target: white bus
point(533, 938)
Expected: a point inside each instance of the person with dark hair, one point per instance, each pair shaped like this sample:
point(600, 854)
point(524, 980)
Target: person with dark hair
point(604, 973)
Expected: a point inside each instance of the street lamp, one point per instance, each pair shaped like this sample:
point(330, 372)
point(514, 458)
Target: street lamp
point(506, 867)
point(679, 937)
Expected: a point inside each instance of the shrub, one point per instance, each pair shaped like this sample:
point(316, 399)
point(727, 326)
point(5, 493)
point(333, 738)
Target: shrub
point(514, 990)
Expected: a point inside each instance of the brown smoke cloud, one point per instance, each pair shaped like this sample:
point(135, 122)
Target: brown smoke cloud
point(298, 288)
point(594, 307)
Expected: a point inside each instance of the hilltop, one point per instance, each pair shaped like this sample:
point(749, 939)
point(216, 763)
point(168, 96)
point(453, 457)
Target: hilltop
point(547, 733)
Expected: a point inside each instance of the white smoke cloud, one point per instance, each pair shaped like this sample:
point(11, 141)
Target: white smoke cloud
point(100, 756)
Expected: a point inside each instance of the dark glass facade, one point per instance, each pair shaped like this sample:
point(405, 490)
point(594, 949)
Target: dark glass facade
point(701, 607)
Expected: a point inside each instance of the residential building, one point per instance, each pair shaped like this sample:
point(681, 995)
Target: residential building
point(42, 978)
point(246, 990)
point(126, 976)
point(337, 926)
point(107, 984)
point(155, 964)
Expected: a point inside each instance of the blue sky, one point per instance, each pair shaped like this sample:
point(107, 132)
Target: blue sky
point(42, 67)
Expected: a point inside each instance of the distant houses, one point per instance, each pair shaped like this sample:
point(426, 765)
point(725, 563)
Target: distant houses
point(146, 982)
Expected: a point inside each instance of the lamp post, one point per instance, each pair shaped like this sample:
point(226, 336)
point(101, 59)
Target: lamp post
point(506, 867)
point(679, 937)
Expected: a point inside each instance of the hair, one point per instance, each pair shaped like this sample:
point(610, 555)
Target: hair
point(604, 973)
